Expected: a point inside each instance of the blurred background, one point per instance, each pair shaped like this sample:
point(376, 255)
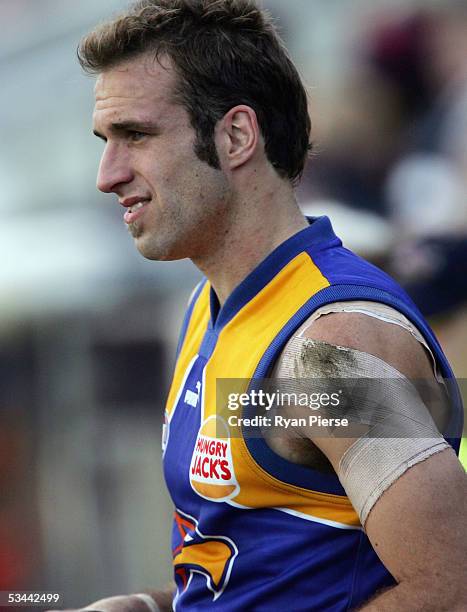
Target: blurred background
point(88, 328)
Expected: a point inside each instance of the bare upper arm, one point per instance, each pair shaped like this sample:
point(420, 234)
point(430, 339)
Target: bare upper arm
point(417, 527)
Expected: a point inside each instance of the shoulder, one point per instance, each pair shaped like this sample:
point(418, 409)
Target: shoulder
point(387, 341)
point(350, 346)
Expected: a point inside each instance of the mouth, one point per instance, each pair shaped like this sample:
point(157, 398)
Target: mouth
point(135, 210)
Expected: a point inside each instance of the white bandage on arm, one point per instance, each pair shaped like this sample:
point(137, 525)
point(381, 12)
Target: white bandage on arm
point(400, 431)
point(402, 434)
point(371, 465)
point(149, 601)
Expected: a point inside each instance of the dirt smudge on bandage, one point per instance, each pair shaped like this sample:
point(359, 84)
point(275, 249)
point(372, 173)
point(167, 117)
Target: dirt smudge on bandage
point(323, 360)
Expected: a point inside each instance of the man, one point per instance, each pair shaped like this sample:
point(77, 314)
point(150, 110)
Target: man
point(206, 130)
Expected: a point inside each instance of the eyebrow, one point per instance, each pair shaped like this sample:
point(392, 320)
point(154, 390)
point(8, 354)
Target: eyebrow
point(127, 126)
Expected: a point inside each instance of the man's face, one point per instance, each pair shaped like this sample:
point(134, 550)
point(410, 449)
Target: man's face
point(173, 201)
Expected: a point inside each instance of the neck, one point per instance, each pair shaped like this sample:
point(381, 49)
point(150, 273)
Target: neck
point(256, 225)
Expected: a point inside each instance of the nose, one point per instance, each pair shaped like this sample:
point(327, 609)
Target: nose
point(114, 169)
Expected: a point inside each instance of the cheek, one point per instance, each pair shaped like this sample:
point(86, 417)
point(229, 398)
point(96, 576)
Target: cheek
point(181, 180)
point(186, 179)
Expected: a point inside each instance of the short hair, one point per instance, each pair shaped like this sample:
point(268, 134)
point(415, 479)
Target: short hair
point(225, 53)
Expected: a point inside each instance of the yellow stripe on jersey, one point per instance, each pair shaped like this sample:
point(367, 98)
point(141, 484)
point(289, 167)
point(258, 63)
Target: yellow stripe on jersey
point(193, 338)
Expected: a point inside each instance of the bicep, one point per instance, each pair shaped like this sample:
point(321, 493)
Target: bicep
point(417, 527)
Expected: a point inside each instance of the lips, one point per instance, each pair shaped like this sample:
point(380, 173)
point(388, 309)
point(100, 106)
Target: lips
point(135, 208)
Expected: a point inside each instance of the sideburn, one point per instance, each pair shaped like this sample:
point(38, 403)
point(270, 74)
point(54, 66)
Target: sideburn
point(205, 150)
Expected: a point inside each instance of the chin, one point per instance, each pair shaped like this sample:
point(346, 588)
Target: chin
point(155, 252)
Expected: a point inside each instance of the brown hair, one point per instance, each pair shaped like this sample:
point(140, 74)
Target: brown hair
point(225, 53)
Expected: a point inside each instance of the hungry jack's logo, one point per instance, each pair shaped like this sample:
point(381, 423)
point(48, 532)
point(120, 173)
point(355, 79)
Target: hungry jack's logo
point(212, 473)
point(196, 553)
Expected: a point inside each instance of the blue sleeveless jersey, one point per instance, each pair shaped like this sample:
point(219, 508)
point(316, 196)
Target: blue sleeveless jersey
point(253, 531)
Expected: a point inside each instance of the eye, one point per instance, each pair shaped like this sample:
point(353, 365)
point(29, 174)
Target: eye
point(136, 136)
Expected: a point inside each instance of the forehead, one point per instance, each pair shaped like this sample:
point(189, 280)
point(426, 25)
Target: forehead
point(140, 84)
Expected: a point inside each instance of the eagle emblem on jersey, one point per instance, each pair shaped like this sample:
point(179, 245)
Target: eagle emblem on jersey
point(195, 552)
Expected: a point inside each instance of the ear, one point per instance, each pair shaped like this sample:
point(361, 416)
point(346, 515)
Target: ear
point(238, 134)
